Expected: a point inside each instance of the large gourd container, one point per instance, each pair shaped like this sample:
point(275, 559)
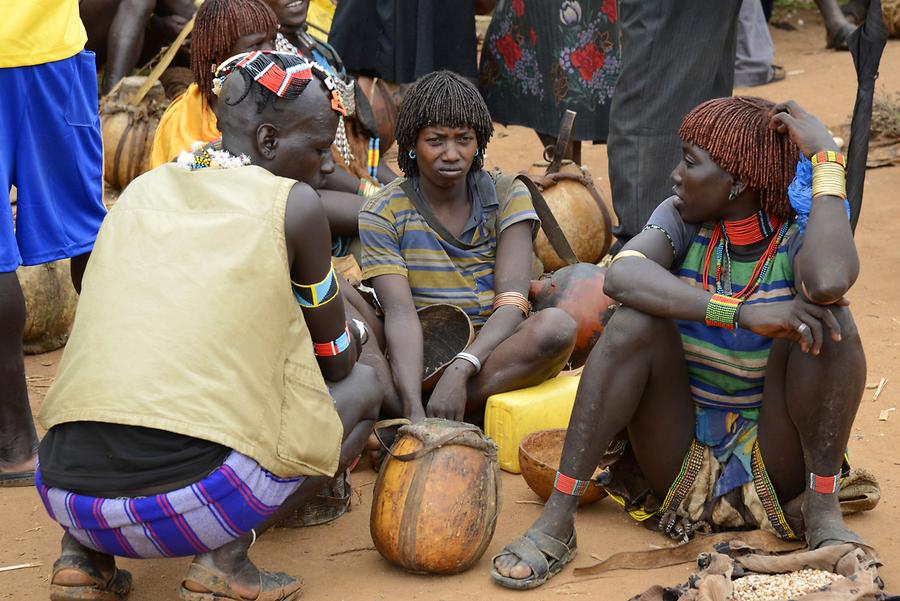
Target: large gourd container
point(128, 130)
point(580, 211)
point(50, 302)
point(437, 498)
point(577, 290)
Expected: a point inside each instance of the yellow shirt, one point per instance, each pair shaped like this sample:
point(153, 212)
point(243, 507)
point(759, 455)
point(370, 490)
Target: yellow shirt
point(186, 323)
point(33, 32)
point(186, 120)
point(320, 14)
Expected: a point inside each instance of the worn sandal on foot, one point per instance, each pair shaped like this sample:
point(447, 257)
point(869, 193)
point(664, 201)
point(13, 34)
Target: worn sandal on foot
point(544, 554)
point(273, 586)
point(859, 491)
point(9, 480)
point(115, 588)
point(832, 535)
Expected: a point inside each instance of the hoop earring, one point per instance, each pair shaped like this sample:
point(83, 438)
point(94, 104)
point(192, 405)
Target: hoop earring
point(412, 154)
point(477, 151)
point(732, 195)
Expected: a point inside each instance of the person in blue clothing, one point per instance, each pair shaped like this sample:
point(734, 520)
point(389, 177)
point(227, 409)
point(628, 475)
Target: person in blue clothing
point(50, 150)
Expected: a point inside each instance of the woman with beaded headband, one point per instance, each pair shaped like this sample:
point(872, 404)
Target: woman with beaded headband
point(224, 28)
point(733, 364)
point(447, 233)
point(228, 390)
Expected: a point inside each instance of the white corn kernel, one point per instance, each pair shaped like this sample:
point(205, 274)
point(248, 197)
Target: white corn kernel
point(757, 587)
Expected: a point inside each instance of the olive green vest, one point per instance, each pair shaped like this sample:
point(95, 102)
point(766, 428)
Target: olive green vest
point(187, 323)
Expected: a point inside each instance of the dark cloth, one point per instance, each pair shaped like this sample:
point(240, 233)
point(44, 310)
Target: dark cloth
point(95, 458)
point(675, 55)
point(401, 40)
point(541, 58)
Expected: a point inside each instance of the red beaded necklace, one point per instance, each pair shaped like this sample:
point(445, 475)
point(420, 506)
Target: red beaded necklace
point(723, 235)
point(750, 230)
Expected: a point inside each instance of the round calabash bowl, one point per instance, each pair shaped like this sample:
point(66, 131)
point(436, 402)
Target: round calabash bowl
point(539, 455)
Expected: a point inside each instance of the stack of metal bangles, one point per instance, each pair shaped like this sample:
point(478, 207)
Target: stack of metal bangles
point(829, 174)
point(515, 299)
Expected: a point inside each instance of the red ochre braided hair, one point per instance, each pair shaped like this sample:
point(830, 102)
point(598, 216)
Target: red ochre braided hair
point(217, 26)
point(734, 132)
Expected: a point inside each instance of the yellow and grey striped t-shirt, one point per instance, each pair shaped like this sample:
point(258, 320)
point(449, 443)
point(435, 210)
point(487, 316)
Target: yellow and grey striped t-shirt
point(397, 239)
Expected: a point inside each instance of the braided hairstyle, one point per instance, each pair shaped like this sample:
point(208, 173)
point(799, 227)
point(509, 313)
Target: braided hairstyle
point(217, 26)
point(735, 133)
point(441, 98)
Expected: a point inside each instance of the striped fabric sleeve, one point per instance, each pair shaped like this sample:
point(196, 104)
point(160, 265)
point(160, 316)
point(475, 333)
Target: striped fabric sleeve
point(518, 207)
point(380, 246)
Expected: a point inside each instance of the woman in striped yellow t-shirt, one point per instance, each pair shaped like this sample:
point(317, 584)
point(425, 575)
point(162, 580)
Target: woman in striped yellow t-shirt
point(442, 235)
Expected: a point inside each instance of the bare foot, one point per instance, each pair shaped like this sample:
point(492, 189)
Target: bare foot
point(557, 520)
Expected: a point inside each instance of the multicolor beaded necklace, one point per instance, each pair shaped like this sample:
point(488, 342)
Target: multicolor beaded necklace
point(751, 230)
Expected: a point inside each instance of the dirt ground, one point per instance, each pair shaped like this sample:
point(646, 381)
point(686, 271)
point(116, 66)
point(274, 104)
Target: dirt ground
point(337, 561)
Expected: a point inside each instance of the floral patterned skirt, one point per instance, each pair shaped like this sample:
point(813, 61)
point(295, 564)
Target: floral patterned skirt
point(543, 57)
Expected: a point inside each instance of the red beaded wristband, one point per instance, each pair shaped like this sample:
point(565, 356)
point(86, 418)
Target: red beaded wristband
point(828, 156)
point(334, 347)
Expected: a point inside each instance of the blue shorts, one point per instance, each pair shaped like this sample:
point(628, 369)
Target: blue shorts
point(51, 151)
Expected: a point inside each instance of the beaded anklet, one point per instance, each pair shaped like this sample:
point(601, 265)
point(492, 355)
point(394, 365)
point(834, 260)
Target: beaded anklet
point(826, 485)
point(570, 486)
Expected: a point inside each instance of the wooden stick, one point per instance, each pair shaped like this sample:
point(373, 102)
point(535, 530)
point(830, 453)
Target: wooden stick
point(21, 566)
point(164, 63)
point(355, 550)
point(879, 389)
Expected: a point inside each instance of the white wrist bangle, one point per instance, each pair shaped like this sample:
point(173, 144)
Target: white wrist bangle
point(470, 358)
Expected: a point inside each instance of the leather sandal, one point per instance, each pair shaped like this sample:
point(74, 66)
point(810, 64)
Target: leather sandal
point(859, 491)
point(114, 588)
point(831, 535)
point(544, 554)
point(273, 586)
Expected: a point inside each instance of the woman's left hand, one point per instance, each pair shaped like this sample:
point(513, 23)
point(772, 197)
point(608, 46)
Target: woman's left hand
point(805, 129)
point(448, 400)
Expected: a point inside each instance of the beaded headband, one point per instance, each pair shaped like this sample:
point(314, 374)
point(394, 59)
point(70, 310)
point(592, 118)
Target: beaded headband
point(283, 82)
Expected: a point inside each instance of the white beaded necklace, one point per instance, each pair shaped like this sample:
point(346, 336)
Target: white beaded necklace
point(210, 156)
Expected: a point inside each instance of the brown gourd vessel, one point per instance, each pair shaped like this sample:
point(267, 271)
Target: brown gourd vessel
point(580, 210)
point(437, 498)
point(128, 129)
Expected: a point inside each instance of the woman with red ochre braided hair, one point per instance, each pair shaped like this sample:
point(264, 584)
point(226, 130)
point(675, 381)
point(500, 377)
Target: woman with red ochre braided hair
point(733, 365)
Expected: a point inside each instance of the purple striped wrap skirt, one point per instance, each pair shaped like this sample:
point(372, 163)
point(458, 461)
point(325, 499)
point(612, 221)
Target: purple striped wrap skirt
point(234, 498)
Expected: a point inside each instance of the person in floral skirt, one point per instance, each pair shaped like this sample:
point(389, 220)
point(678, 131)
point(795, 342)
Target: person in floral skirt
point(541, 58)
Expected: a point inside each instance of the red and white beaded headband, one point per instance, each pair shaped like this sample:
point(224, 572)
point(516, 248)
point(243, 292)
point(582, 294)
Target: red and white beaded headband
point(283, 82)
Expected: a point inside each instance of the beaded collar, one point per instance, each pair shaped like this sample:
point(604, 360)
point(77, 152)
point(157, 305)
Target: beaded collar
point(753, 229)
point(210, 156)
